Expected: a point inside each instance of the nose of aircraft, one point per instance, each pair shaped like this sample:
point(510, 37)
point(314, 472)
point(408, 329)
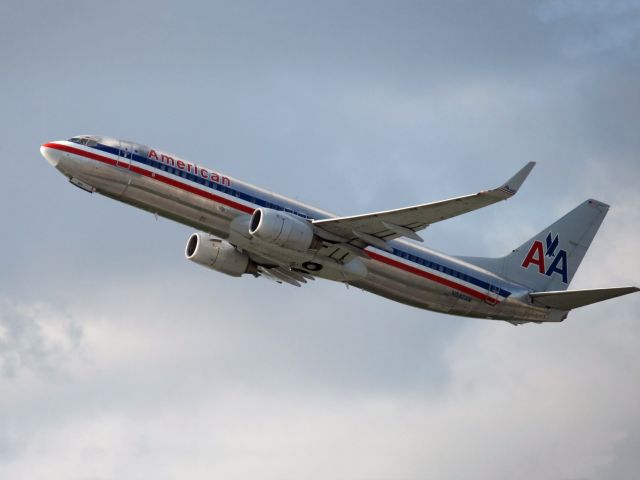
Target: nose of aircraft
point(49, 152)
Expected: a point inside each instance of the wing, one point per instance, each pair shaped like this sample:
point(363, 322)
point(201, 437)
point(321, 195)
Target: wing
point(376, 228)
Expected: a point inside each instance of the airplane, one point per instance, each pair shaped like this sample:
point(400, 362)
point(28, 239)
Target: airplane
point(246, 230)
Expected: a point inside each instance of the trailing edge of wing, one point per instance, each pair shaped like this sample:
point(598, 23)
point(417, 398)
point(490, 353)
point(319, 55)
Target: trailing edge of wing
point(391, 224)
point(569, 299)
point(283, 274)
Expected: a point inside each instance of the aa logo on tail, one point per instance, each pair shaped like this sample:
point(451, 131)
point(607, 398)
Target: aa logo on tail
point(557, 258)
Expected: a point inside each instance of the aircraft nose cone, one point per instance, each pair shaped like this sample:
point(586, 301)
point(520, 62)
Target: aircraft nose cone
point(52, 155)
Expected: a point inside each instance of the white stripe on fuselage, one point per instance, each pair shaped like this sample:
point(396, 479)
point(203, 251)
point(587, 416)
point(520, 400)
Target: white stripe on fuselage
point(437, 273)
point(157, 171)
point(232, 198)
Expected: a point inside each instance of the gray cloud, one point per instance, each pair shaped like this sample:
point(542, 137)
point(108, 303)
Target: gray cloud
point(552, 401)
point(36, 339)
point(119, 356)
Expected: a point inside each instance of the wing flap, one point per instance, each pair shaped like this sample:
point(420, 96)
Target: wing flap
point(283, 274)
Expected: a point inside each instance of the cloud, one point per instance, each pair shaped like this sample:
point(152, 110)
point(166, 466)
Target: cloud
point(118, 358)
point(552, 401)
point(35, 339)
point(598, 27)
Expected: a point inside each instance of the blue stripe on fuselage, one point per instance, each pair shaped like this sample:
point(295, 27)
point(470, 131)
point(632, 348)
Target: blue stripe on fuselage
point(267, 204)
point(452, 272)
point(203, 181)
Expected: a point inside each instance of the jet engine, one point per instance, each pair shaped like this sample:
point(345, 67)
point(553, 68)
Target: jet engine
point(281, 228)
point(218, 255)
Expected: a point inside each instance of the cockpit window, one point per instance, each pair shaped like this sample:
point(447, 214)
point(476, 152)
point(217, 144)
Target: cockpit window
point(85, 140)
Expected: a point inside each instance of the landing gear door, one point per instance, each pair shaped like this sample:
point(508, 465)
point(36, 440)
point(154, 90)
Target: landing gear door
point(124, 156)
point(493, 295)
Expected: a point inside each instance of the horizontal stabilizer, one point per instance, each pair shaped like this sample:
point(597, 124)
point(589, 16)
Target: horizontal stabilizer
point(569, 299)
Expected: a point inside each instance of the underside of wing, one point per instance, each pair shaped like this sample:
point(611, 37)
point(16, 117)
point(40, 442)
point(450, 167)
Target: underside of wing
point(270, 268)
point(377, 228)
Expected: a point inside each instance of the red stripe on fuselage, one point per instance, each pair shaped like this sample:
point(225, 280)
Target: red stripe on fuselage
point(153, 175)
point(77, 151)
point(432, 277)
point(249, 210)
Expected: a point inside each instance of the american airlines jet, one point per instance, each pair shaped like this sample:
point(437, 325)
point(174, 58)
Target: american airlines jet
point(250, 230)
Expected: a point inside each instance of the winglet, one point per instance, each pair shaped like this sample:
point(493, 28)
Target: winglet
point(512, 185)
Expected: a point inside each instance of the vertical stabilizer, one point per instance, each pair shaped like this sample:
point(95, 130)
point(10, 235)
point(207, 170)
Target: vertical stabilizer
point(549, 260)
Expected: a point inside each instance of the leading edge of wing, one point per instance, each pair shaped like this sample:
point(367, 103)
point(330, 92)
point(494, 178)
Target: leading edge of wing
point(422, 215)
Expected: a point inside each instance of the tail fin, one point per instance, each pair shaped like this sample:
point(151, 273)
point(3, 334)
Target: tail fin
point(549, 260)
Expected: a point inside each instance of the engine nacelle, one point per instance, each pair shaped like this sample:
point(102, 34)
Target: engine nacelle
point(218, 255)
point(281, 228)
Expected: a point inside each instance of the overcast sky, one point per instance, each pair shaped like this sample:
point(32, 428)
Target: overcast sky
point(120, 359)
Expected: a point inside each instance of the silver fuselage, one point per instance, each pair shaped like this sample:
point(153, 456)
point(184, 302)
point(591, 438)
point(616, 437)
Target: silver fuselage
point(209, 201)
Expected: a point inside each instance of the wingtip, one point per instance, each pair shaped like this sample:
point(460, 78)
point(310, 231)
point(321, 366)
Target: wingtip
point(514, 183)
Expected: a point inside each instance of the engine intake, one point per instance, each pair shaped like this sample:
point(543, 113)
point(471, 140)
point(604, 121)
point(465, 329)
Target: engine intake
point(281, 228)
point(218, 255)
